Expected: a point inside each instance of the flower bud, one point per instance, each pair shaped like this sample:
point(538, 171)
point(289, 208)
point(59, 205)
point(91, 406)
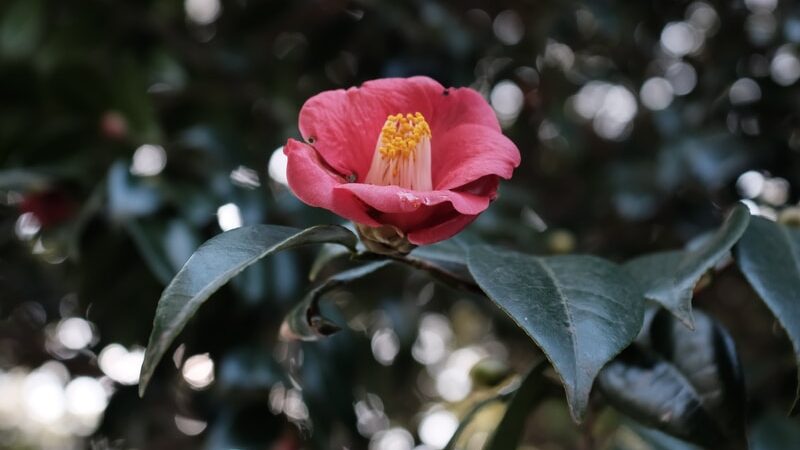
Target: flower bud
point(385, 239)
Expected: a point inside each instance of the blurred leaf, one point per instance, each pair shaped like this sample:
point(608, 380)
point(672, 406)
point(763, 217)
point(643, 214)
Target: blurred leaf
point(471, 415)
point(305, 321)
point(129, 197)
point(165, 247)
point(580, 310)
point(713, 158)
point(769, 257)
point(166, 72)
point(489, 372)
point(249, 369)
point(214, 264)
point(23, 179)
point(774, 432)
point(509, 431)
point(145, 238)
point(669, 277)
point(247, 427)
point(326, 254)
point(687, 383)
point(654, 438)
point(21, 28)
point(130, 97)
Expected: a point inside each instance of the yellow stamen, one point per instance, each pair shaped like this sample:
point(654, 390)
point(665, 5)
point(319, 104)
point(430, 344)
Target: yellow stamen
point(402, 153)
point(401, 134)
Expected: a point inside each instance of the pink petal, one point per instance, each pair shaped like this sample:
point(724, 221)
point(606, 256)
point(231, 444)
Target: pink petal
point(469, 152)
point(460, 106)
point(393, 199)
point(344, 124)
point(314, 184)
point(440, 232)
point(426, 217)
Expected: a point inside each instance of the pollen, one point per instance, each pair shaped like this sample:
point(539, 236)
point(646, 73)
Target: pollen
point(403, 153)
point(401, 134)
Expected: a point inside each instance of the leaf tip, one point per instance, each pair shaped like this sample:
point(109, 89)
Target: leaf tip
point(577, 405)
point(142, 386)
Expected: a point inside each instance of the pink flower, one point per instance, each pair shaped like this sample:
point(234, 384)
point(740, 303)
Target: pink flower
point(405, 158)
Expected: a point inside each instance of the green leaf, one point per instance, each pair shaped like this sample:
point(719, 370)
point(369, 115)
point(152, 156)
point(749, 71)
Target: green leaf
point(450, 256)
point(509, 431)
point(214, 264)
point(305, 321)
point(769, 257)
point(580, 310)
point(686, 383)
point(21, 28)
point(451, 251)
point(669, 278)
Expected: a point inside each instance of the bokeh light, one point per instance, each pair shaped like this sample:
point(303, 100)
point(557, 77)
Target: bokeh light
point(229, 217)
point(148, 160)
point(198, 371)
point(120, 364)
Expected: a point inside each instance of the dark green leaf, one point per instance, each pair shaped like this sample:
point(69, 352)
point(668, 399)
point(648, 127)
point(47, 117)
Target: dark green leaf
point(213, 265)
point(580, 310)
point(509, 431)
point(449, 255)
point(305, 321)
point(769, 257)
point(686, 383)
point(669, 277)
point(451, 251)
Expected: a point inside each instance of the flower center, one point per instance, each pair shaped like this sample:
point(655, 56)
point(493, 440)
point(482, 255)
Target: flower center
point(403, 153)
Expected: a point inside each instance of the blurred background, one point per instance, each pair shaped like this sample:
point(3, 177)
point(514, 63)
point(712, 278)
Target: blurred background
point(132, 131)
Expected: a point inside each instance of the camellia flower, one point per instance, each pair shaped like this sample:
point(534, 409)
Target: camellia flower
point(409, 161)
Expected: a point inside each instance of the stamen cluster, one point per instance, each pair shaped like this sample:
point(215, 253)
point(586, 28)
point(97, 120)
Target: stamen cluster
point(401, 134)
